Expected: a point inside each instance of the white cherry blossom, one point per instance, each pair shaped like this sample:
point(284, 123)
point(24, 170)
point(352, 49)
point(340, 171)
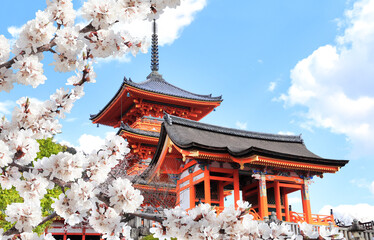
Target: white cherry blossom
point(7, 79)
point(123, 196)
point(62, 11)
point(32, 187)
point(5, 154)
point(4, 49)
point(9, 177)
point(102, 13)
point(26, 215)
point(30, 71)
point(64, 166)
point(69, 42)
point(68, 209)
point(35, 33)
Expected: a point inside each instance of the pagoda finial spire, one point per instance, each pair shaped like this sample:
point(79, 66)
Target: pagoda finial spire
point(154, 60)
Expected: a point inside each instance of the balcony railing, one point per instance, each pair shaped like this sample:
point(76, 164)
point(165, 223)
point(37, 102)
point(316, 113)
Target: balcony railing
point(318, 219)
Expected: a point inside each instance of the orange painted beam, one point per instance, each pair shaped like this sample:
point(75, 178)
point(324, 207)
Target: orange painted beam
point(253, 185)
point(224, 179)
point(249, 193)
point(284, 179)
point(296, 165)
point(188, 165)
point(287, 185)
point(161, 159)
point(180, 181)
point(221, 170)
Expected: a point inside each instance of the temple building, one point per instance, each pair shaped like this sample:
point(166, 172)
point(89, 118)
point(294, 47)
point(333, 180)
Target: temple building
point(177, 160)
point(263, 168)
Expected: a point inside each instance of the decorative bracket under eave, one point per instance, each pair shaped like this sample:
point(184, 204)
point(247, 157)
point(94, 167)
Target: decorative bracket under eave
point(242, 161)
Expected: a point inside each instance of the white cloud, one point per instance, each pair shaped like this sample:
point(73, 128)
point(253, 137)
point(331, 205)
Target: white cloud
point(272, 86)
point(5, 107)
point(335, 83)
point(169, 26)
point(363, 183)
point(286, 133)
point(346, 213)
point(70, 119)
point(260, 61)
point(15, 31)
point(88, 143)
point(241, 125)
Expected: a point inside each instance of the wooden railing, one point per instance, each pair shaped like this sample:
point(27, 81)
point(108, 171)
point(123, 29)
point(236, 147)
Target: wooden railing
point(323, 219)
point(255, 215)
point(297, 217)
point(316, 218)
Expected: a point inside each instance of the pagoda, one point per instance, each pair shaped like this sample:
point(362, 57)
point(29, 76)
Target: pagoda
point(137, 109)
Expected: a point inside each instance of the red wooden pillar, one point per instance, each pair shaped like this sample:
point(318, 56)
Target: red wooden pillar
point(221, 194)
point(192, 191)
point(207, 185)
point(84, 233)
point(306, 202)
point(278, 205)
point(178, 196)
point(262, 199)
point(286, 207)
point(236, 187)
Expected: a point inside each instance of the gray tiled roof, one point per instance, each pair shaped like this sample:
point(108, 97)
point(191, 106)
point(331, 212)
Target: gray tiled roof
point(192, 135)
point(155, 83)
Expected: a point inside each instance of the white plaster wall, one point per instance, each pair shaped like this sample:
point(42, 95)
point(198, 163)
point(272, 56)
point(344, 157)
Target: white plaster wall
point(184, 184)
point(184, 174)
point(184, 198)
point(198, 177)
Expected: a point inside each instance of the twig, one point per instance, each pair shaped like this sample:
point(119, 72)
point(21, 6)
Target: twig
point(13, 230)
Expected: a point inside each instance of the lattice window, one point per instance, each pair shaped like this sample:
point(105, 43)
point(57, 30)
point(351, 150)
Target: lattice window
point(199, 191)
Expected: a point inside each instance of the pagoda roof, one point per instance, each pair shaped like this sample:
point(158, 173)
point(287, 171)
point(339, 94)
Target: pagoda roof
point(196, 136)
point(127, 128)
point(157, 84)
point(155, 90)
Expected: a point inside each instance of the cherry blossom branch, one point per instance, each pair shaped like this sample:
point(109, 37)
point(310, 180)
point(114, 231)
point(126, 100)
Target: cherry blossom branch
point(13, 230)
point(46, 47)
point(148, 217)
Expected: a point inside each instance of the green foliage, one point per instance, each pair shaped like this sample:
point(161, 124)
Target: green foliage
point(7, 197)
point(46, 148)
point(150, 237)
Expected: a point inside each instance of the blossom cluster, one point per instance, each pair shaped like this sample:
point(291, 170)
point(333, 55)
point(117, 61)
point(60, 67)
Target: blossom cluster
point(202, 222)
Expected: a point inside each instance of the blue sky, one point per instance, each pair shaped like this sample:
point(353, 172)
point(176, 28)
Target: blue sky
point(300, 67)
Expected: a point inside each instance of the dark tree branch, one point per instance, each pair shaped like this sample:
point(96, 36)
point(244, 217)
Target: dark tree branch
point(13, 230)
point(147, 216)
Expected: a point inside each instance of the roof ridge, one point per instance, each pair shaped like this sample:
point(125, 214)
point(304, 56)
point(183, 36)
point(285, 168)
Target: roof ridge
point(170, 119)
point(155, 76)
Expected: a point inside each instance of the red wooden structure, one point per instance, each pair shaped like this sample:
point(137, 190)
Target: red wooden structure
point(262, 168)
